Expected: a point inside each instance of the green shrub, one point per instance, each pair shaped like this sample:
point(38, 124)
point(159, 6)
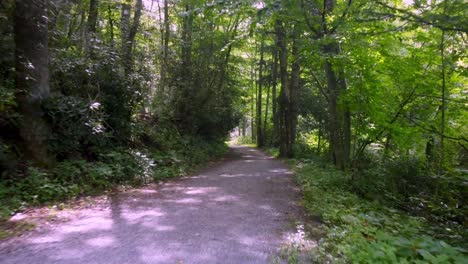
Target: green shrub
point(77, 126)
point(359, 230)
point(245, 140)
point(91, 168)
point(408, 184)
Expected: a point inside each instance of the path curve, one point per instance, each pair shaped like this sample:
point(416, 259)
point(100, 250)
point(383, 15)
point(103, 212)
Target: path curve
point(238, 211)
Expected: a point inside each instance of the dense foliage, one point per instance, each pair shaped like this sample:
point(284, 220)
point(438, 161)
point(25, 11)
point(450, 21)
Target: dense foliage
point(360, 230)
point(128, 92)
point(96, 93)
point(379, 90)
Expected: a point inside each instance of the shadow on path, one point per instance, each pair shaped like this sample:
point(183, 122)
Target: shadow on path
point(238, 211)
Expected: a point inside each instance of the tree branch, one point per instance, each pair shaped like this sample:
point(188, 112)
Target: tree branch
point(340, 20)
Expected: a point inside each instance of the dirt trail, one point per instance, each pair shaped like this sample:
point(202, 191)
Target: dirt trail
point(239, 211)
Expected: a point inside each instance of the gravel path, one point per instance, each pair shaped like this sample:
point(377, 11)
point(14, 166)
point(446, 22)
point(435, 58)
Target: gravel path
point(238, 211)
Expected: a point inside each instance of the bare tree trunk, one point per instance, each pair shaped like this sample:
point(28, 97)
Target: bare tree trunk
point(125, 25)
point(274, 99)
point(91, 25)
point(130, 41)
point(294, 86)
point(184, 112)
point(252, 105)
point(111, 25)
point(259, 97)
point(82, 30)
point(32, 77)
point(339, 119)
point(334, 116)
point(187, 42)
point(346, 125)
point(244, 125)
point(265, 137)
point(165, 47)
point(283, 102)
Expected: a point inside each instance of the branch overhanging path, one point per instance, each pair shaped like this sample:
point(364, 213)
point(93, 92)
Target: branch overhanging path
point(238, 211)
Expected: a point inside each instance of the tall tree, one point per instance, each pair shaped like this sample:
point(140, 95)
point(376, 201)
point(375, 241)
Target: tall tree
point(284, 97)
point(260, 81)
point(130, 37)
point(294, 86)
point(165, 35)
point(339, 118)
point(32, 77)
point(125, 26)
point(274, 99)
point(92, 23)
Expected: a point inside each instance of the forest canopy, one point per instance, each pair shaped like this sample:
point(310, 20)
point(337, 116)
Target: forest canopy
point(95, 93)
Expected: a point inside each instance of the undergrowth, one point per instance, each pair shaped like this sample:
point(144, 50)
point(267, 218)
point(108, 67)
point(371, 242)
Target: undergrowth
point(167, 156)
point(363, 230)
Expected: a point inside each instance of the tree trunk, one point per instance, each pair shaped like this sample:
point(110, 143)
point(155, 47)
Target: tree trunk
point(130, 41)
point(165, 44)
point(187, 42)
point(294, 86)
point(265, 137)
point(125, 25)
point(243, 126)
point(339, 119)
point(274, 99)
point(283, 102)
point(91, 25)
point(111, 26)
point(259, 98)
point(252, 105)
point(32, 77)
point(184, 112)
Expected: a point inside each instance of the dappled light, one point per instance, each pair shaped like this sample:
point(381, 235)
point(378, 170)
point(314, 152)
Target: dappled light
point(188, 201)
point(232, 206)
point(284, 171)
point(88, 224)
point(233, 131)
point(299, 240)
point(201, 190)
point(101, 241)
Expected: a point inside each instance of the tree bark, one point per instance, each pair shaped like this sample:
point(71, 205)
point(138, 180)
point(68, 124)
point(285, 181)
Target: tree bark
point(274, 99)
point(130, 41)
point(165, 44)
point(184, 113)
point(32, 77)
point(111, 26)
point(294, 86)
point(91, 25)
point(125, 25)
point(259, 97)
point(187, 41)
point(267, 103)
point(339, 117)
point(283, 102)
point(252, 105)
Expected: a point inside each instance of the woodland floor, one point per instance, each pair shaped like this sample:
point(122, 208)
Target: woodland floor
point(241, 210)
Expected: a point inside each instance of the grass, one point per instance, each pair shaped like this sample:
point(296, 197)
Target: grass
point(9, 229)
